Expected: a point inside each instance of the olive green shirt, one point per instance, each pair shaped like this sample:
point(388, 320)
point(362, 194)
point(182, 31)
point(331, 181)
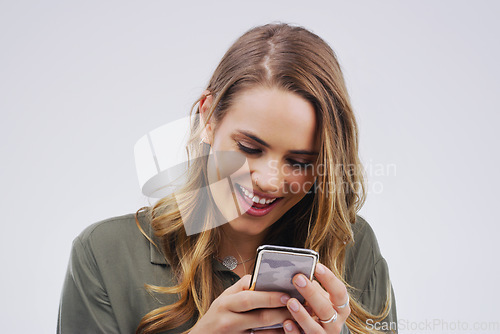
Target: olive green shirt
point(111, 261)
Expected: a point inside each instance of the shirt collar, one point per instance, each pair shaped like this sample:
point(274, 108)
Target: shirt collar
point(156, 256)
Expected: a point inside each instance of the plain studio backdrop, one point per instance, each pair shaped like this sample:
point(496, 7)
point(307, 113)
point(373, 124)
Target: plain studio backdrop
point(82, 81)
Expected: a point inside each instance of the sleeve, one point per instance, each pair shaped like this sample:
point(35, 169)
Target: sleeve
point(374, 296)
point(84, 305)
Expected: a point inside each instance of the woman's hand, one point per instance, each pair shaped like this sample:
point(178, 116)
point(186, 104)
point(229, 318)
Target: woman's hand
point(325, 302)
point(237, 310)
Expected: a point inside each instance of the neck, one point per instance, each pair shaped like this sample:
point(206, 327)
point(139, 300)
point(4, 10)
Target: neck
point(241, 246)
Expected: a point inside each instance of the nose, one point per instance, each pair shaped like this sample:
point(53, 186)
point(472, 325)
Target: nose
point(267, 176)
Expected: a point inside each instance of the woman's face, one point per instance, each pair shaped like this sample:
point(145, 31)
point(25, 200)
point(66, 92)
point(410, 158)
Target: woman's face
point(275, 131)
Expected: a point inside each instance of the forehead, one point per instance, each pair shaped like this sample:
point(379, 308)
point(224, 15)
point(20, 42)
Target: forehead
point(276, 116)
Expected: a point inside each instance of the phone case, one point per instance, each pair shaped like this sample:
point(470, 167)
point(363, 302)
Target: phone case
point(275, 266)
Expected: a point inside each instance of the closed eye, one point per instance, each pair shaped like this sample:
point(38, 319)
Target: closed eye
point(247, 149)
point(299, 164)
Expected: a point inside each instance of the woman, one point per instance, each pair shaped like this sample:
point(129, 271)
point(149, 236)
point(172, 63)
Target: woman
point(279, 99)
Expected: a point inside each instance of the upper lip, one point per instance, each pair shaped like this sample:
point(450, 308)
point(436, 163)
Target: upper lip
point(259, 194)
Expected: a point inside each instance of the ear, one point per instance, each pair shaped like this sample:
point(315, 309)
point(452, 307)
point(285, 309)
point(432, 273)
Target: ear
point(204, 108)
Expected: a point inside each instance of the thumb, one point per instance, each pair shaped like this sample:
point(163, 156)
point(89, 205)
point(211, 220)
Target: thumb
point(241, 285)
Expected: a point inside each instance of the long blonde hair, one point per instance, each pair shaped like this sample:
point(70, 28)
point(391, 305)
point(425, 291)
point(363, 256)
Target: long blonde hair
point(296, 60)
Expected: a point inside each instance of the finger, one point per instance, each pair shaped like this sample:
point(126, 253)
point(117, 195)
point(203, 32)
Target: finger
point(315, 296)
point(308, 308)
point(248, 300)
point(265, 317)
point(242, 284)
point(335, 288)
point(269, 331)
point(303, 319)
point(291, 327)
point(323, 291)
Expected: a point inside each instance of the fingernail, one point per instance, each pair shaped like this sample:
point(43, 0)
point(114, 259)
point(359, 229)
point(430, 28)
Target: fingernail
point(294, 306)
point(320, 269)
point(284, 299)
point(288, 327)
point(300, 281)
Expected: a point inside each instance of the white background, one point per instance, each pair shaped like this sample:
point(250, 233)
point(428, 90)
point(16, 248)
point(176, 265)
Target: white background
point(82, 81)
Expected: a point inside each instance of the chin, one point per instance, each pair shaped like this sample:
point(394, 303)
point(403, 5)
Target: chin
point(249, 227)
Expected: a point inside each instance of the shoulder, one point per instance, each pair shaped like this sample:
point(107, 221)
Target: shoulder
point(110, 228)
point(114, 236)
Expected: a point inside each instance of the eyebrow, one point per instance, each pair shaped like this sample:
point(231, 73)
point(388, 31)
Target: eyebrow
point(263, 143)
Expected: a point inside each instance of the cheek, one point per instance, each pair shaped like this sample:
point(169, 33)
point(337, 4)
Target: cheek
point(300, 184)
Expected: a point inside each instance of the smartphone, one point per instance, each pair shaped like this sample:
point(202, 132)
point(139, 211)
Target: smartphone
point(275, 266)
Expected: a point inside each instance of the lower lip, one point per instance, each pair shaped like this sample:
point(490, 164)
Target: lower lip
point(249, 209)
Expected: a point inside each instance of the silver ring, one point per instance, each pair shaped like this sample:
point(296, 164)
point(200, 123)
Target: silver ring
point(332, 319)
point(344, 305)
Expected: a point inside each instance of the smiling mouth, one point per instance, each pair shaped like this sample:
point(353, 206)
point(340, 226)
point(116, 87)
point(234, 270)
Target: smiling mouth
point(256, 199)
point(254, 204)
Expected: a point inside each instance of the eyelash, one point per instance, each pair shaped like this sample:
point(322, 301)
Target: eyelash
point(248, 150)
point(255, 151)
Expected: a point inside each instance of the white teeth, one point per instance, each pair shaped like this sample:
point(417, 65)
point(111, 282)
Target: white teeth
point(247, 193)
point(255, 198)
